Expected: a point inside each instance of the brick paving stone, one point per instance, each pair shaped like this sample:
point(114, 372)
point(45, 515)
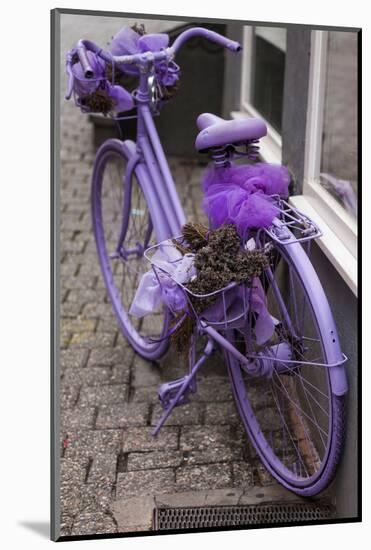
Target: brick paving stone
point(107, 325)
point(69, 309)
point(97, 495)
point(79, 282)
point(97, 309)
point(67, 270)
point(85, 296)
point(66, 522)
point(72, 477)
point(109, 357)
point(144, 482)
point(74, 358)
point(213, 389)
point(90, 339)
point(120, 374)
point(206, 437)
point(123, 415)
point(154, 460)
point(77, 418)
point(103, 469)
point(73, 246)
point(210, 444)
point(84, 444)
point(95, 376)
point(221, 413)
point(78, 324)
point(68, 395)
point(181, 416)
point(148, 394)
point(87, 269)
point(101, 395)
point(192, 478)
point(140, 439)
point(243, 474)
point(145, 373)
point(93, 523)
point(213, 454)
point(64, 339)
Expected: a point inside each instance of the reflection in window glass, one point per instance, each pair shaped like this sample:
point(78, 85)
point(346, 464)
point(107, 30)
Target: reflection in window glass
point(268, 73)
point(339, 140)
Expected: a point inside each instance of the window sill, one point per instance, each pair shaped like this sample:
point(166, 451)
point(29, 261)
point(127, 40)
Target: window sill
point(333, 248)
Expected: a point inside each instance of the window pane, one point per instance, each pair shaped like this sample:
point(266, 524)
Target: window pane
point(268, 73)
point(339, 140)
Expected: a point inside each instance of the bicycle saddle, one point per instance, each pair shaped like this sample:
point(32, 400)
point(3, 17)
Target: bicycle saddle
point(215, 131)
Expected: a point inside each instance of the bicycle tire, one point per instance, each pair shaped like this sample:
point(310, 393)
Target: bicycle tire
point(130, 209)
point(310, 472)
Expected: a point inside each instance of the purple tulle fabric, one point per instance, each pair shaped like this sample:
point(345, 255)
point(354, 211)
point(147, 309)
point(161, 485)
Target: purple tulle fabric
point(82, 85)
point(128, 42)
point(122, 98)
point(153, 42)
point(240, 195)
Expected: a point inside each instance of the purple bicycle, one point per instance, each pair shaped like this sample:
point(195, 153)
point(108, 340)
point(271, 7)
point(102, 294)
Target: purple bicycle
point(277, 333)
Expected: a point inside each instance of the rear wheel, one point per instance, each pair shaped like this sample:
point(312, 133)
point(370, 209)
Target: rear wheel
point(123, 229)
point(289, 410)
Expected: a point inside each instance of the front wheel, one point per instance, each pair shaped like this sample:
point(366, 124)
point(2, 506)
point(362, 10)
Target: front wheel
point(123, 229)
point(290, 411)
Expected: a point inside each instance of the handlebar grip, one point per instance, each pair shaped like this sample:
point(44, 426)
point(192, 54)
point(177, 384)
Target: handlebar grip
point(223, 41)
point(83, 57)
point(209, 35)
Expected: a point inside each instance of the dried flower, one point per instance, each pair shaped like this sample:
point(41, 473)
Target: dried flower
point(219, 261)
point(98, 102)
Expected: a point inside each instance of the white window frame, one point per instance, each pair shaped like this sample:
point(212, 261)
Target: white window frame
point(270, 148)
point(339, 241)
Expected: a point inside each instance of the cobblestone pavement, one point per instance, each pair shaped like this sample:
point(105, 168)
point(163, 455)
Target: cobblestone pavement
point(108, 393)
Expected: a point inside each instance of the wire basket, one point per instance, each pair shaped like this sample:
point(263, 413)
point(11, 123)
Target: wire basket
point(226, 307)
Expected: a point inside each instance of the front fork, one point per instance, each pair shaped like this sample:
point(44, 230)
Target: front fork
point(139, 248)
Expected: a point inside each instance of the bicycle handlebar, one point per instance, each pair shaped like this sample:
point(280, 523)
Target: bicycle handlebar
point(167, 54)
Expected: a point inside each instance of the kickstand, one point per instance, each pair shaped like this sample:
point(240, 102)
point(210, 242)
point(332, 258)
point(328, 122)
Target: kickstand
point(209, 348)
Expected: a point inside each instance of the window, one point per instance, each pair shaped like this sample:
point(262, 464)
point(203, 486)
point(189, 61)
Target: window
point(262, 84)
point(267, 75)
point(330, 182)
point(338, 172)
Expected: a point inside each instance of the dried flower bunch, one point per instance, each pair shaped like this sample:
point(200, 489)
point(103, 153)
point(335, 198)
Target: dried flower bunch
point(108, 91)
point(219, 261)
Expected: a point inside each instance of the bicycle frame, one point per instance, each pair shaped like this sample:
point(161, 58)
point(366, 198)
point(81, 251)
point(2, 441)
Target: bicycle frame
point(148, 160)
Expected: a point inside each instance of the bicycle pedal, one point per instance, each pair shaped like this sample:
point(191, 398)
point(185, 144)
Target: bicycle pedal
point(169, 390)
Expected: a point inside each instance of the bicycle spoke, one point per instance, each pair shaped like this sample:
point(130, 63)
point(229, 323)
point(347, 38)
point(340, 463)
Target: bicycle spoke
point(289, 432)
point(297, 406)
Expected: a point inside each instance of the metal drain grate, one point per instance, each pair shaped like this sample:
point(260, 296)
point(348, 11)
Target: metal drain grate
point(204, 517)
